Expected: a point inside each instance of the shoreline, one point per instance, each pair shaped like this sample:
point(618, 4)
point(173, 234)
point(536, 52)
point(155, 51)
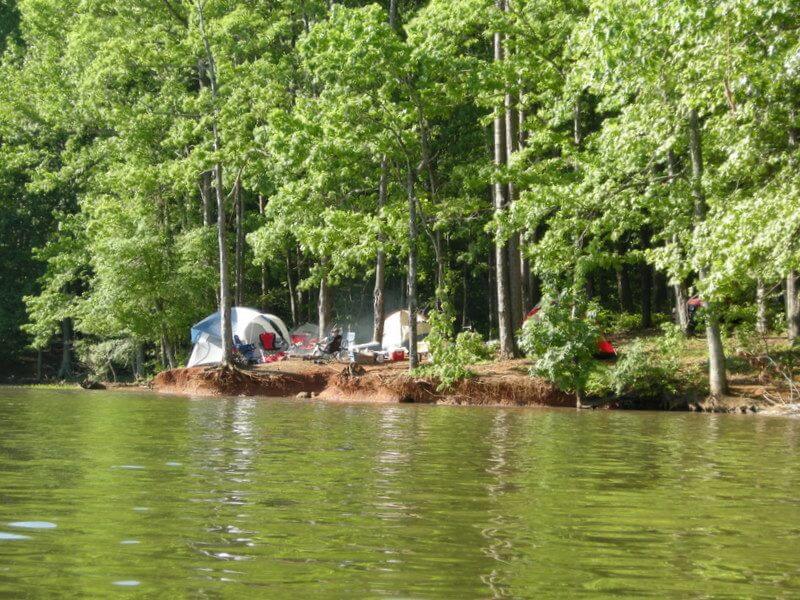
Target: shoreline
point(495, 384)
point(502, 383)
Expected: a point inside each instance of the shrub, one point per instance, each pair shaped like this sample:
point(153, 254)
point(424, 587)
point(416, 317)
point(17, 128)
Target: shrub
point(563, 345)
point(101, 358)
point(623, 323)
point(650, 371)
point(452, 356)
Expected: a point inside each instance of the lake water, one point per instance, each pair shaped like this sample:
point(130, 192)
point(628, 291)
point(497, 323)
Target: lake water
point(113, 494)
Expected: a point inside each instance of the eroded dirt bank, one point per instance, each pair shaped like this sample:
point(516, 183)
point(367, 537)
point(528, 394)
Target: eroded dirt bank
point(506, 384)
point(502, 383)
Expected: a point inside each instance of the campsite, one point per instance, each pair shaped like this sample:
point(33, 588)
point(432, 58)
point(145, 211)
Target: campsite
point(399, 298)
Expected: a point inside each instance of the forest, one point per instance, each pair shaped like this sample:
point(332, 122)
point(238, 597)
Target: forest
point(331, 161)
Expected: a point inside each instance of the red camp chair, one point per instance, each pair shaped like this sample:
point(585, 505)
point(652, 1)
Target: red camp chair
point(267, 340)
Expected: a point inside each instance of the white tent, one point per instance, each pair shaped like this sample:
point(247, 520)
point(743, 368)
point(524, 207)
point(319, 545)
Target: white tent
point(397, 329)
point(246, 323)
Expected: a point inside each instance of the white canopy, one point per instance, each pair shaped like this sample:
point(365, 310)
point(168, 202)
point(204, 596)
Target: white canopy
point(397, 329)
point(247, 324)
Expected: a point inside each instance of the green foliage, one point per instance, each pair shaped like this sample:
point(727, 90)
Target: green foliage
point(451, 357)
point(562, 344)
point(110, 130)
point(103, 359)
point(647, 371)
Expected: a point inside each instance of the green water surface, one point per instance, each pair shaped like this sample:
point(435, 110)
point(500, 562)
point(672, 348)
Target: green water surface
point(134, 495)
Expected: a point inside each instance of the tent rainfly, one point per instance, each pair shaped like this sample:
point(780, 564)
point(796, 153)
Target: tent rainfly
point(247, 324)
point(397, 329)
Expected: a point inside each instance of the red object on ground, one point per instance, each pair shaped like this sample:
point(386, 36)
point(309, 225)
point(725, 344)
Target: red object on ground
point(604, 348)
point(275, 357)
point(398, 355)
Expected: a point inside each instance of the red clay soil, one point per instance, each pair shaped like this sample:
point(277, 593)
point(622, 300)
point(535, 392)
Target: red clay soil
point(213, 381)
point(502, 383)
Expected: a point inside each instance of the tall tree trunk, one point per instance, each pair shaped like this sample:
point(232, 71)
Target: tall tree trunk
point(138, 361)
point(67, 352)
point(681, 307)
point(324, 305)
point(577, 127)
point(505, 318)
point(792, 285)
point(438, 251)
point(393, 22)
point(526, 278)
point(624, 288)
point(678, 287)
point(793, 306)
point(205, 195)
point(39, 354)
point(290, 286)
point(717, 378)
point(226, 330)
point(762, 324)
point(378, 292)
point(412, 268)
point(514, 258)
point(525, 284)
point(239, 226)
point(492, 272)
point(464, 299)
point(262, 206)
point(646, 279)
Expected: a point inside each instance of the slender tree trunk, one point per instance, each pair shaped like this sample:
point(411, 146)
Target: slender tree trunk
point(681, 307)
point(226, 330)
point(505, 317)
point(393, 22)
point(138, 361)
point(514, 258)
point(762, 324)
point(239, 226)
point(717, 378)
point(378, 292)
point(290, 286)
point(526, 278)
point(525, 284)
point(792, 283)
point(464, 298)
point(678, 287)
point(412, 269)
point(324, 306)
point(65, 370)
point(205, 194)
point(624, 288)
point(438, 251)
point(39, 354)
point(577, 127)
point(492, 296)
point(793, 306)
point(646, 281)
point(167, 356)
point(262, 206)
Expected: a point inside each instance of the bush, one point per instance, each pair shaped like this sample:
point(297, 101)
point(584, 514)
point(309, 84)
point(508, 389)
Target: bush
point(649, 371)
point(101, 358)
point(451, 356)
point(623, 323)
point(562, 345)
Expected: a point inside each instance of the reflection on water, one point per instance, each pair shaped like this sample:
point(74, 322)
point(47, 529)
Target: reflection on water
point(275, 498)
